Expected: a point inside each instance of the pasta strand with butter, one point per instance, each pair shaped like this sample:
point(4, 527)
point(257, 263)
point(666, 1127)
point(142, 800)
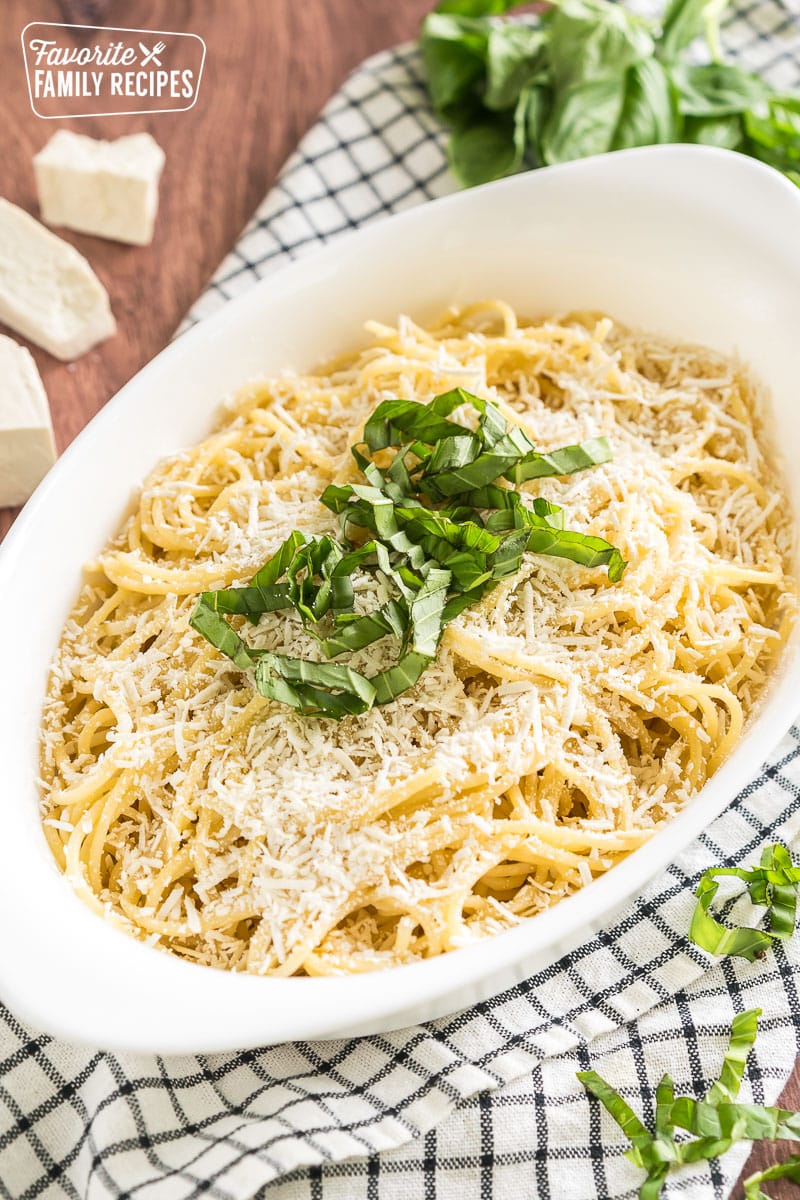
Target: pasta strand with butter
point(564, 719)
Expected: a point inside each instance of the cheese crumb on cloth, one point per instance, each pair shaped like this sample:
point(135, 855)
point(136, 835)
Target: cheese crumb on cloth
point(484, 1103)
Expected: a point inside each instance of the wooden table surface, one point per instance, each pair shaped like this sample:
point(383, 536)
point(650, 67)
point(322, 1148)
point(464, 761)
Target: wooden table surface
point(271, 65)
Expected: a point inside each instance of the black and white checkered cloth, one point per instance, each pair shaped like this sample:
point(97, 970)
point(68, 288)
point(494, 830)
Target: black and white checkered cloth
point(483, 1105)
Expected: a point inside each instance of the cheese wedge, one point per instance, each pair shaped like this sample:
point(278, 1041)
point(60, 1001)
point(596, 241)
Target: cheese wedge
point(48, 291)
point(27, 448)
point(106, 188)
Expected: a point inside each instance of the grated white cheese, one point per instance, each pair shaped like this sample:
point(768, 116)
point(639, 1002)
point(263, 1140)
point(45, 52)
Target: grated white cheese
point(561, 710)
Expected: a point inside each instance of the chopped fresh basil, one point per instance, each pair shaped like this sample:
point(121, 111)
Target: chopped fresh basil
point(773, 885)
point(789, 1169)
point(716, 1123)
point(443, 526)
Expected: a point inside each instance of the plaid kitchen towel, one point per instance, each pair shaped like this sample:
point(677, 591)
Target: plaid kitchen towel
point(483, 1105)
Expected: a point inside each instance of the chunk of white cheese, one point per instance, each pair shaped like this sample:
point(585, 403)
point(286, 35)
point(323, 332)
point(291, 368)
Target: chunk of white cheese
point(27, 449)
point(106, 188)
point(48, 291)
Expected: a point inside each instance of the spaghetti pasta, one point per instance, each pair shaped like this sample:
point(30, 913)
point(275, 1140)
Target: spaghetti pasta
point(563, 720)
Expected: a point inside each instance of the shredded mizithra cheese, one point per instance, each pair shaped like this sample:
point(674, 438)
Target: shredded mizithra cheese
point(564, 719)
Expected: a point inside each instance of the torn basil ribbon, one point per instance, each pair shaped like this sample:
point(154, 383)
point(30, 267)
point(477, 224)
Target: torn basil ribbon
point(714, 1123)
point(439, 523)
point(773, 885)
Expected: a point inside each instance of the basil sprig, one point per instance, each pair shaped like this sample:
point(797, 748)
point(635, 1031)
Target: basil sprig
point(716, 1123)
point(589, 77)
point(773, 885)
point(438, 521)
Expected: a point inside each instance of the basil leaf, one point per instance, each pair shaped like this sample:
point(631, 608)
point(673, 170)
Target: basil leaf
point(789, 1169)
point(590, 78)
point(710, 935)
point(716, 89)
point(439, 560)
point(773, 884)
point(637, 109)
point(578, 548)
point(593, 40)
point(454, 53)
point(725, 132)
point(538, 101)
point(516, 58)
point(784, 112)
point(744, 1031)
point(477, 8)
point(684, 20)
point(390, 618)
point(488, 149)
point(777, 159)
point(619, 1109)
point(394, 421)
point(733, 1122)
point(252, 602)
point(324, 675)
point(515, 458)
point(399, 678)
point(774, 133)
point(206, 621)
point(565, 461)
point(665, 1095)
point(306, 697)
point(648, 115)
point(716, 1122)
point(583, 120)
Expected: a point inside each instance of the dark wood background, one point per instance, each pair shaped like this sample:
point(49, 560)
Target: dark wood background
point(271, 65)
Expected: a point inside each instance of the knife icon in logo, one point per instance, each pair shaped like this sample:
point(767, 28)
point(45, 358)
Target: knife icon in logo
point(149, 56)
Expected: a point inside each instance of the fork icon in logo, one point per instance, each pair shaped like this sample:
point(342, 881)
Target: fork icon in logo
point(149, 56)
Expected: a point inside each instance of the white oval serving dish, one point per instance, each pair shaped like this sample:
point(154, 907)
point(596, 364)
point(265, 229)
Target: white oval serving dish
point(688, 242)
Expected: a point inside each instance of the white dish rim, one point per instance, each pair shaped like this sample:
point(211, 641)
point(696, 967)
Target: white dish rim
point(370, 1000)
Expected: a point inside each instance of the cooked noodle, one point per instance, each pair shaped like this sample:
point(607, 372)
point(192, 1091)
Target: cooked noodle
point(564, 719)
